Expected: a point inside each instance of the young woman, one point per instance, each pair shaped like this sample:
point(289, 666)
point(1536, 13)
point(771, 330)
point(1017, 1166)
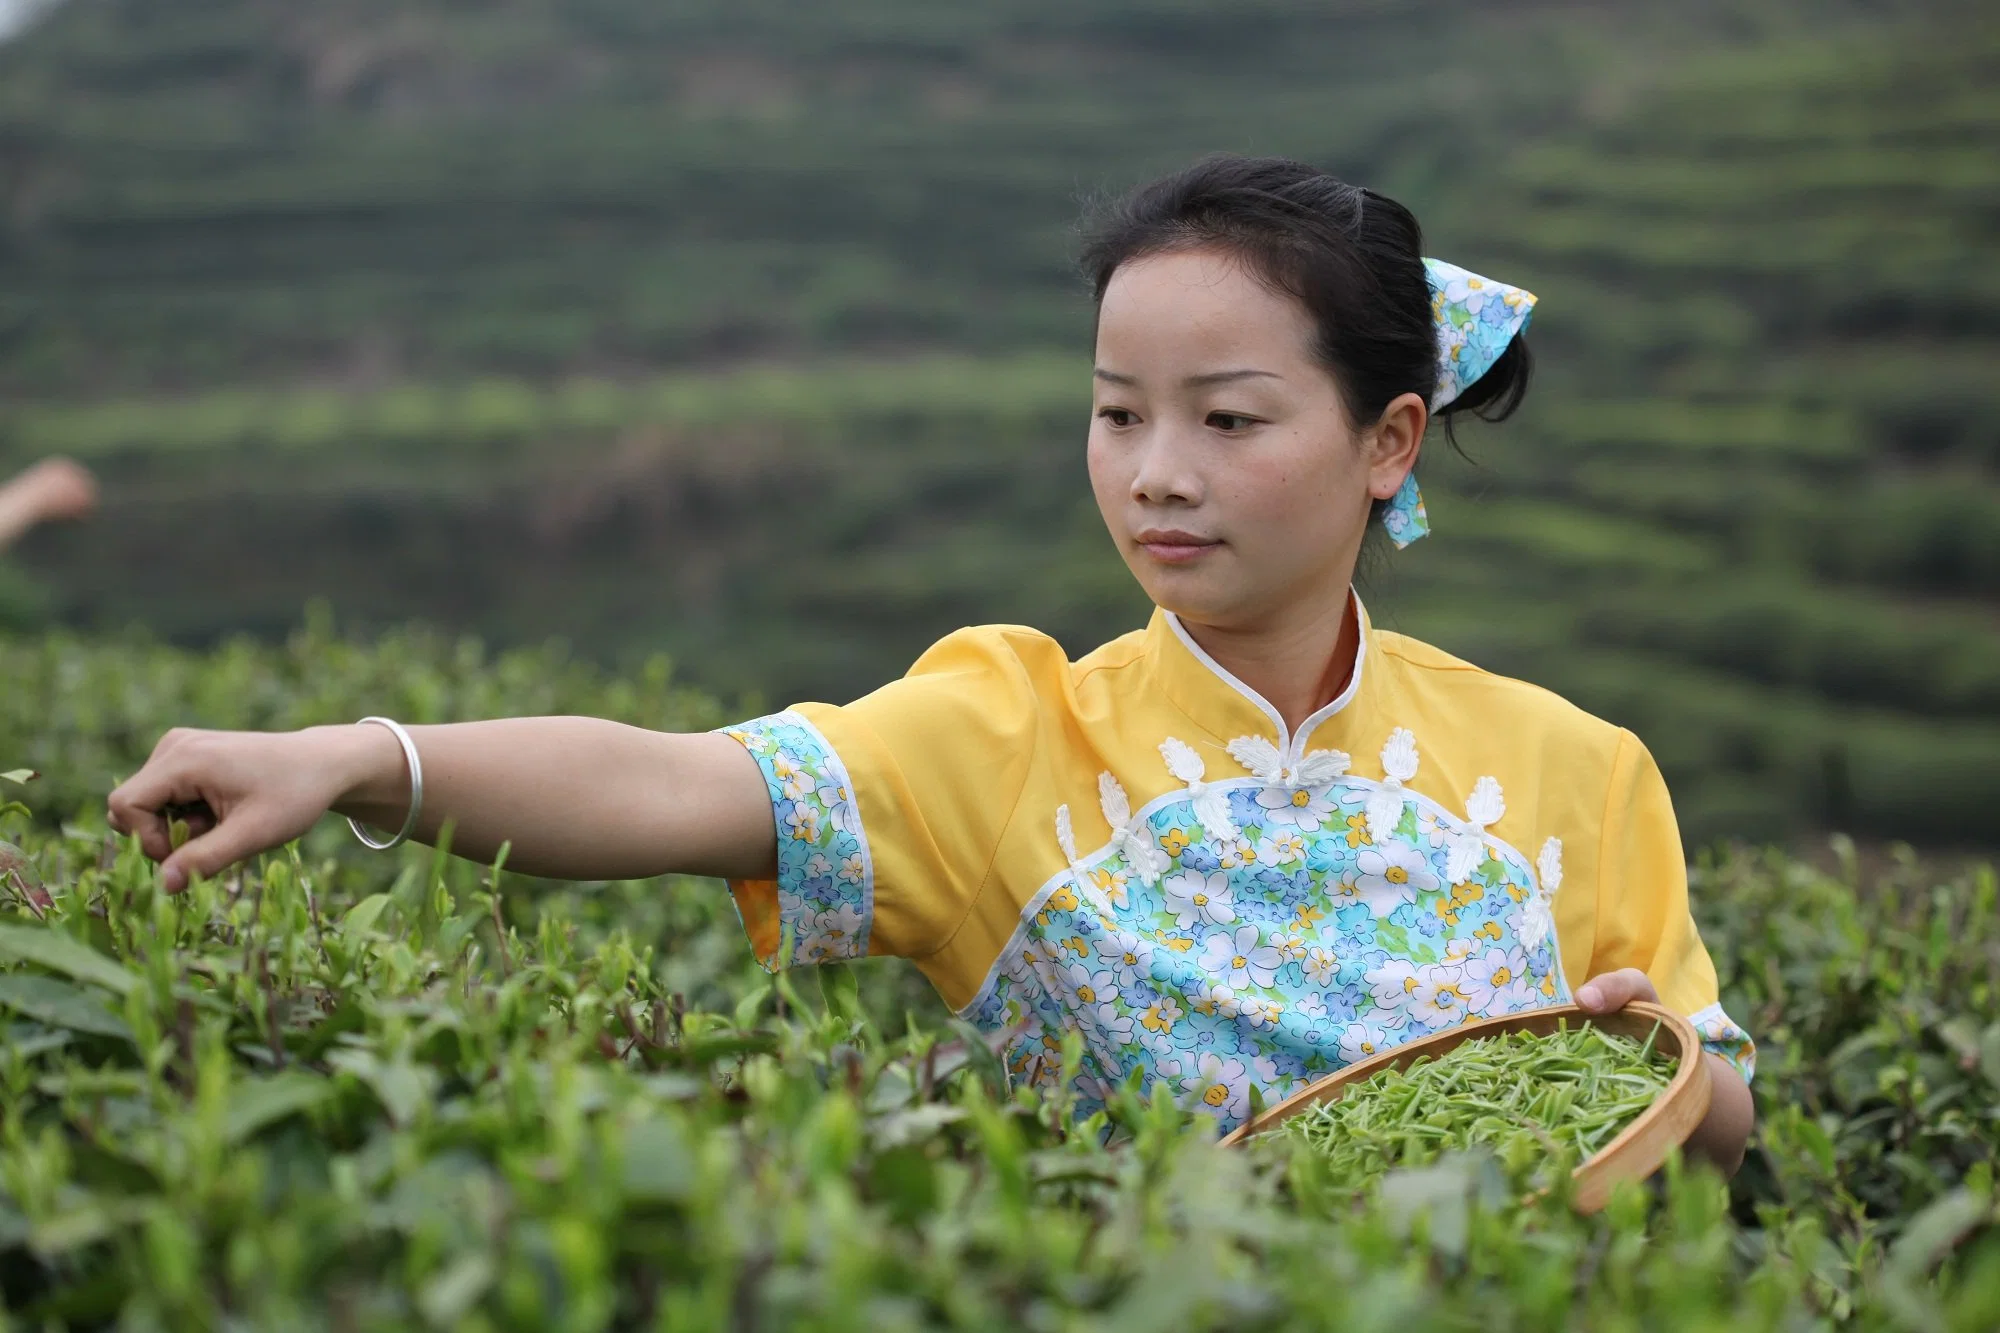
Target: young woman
point(1248, 844)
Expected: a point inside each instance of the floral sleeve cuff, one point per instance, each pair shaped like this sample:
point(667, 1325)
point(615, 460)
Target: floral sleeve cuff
point(1721, 1035)
point(826, 882)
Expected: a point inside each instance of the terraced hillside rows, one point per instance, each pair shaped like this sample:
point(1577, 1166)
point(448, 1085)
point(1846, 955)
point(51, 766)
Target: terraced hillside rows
point(752, 340)
point(1754, 511)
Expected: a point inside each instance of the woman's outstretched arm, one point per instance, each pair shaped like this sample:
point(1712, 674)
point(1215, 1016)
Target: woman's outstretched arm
point(577, 797)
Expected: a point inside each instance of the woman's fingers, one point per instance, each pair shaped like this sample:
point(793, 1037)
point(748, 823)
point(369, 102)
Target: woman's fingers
point(244, 833)
point(229, 795)
point(140, 805)
point(1614, 990)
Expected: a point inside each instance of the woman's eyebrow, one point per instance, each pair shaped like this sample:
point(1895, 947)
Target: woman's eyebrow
point(1192, 381)
point(1228, 376)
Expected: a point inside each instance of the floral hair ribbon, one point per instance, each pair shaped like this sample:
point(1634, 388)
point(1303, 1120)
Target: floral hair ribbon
point(1475, 318)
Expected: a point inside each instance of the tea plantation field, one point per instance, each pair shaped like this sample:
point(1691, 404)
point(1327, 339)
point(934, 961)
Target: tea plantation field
point(340, 1092)
point(714, 329)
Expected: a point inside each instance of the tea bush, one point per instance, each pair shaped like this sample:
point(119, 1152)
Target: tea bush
point(341, 1092)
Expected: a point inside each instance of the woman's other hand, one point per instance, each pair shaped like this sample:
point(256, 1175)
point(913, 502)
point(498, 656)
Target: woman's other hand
point(1723, 1135)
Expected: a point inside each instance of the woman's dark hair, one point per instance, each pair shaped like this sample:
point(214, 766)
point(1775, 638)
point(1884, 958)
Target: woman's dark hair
point(1352, 257)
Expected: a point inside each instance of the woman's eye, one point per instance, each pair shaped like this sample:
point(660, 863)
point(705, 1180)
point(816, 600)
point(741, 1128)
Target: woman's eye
point(1115, 416)
point(1230, 422)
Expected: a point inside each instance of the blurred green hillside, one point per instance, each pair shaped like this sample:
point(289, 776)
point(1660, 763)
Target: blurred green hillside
point(747, 331)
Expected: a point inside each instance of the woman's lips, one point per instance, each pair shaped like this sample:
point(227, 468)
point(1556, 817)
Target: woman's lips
point(1173, 547)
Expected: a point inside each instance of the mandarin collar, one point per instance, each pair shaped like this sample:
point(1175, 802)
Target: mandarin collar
point(1224, 706)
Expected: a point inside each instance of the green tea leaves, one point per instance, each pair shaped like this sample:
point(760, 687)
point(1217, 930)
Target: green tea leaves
point(59, 1004)
point(1523, 1097)
point(257, 1103)
point(51, 949)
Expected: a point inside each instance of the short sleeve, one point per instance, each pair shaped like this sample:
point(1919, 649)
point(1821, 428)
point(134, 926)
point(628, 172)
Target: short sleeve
point(1642, 913)
point(889, 810)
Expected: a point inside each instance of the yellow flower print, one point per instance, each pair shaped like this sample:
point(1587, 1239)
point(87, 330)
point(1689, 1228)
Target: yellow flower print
point(1467, 892)
point(1178, 943)
point(1517, 893)
point(1447, 910)
point(1238, 855)
point(1548, 987)
point(755, 741)
point(1261, 1012)
point(1062, 898)
point(1077, 945)
point(1306, 915)
point(1161, 1016)
point(1357, 831)
point(802, 823)
point(1439, 999)
point(1175, 841)
point(791, 779)
point(1491, 930)
point(1216, 999)
point(1110, 884)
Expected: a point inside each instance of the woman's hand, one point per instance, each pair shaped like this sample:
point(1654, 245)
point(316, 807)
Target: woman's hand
point(1610, 991)
point(573, 797)
point(1725, 1132)
point(245, 792)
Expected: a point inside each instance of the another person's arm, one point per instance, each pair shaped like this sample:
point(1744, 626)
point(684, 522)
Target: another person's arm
point(576, 797)
point(52, 489)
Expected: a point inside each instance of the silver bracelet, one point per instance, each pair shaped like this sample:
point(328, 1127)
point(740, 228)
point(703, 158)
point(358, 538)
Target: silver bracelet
point(416, 790)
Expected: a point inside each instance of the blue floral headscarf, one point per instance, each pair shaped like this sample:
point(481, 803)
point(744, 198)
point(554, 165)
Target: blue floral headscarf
point(1475, 319)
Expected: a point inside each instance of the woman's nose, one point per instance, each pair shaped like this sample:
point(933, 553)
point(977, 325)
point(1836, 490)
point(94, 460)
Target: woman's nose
point(1165, 474)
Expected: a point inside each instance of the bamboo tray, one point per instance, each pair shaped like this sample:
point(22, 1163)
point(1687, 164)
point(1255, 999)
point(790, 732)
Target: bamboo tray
point(1638, 1150)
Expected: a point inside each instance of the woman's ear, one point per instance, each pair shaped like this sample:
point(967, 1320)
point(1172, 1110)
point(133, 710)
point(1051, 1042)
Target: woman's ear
point(1394, 442)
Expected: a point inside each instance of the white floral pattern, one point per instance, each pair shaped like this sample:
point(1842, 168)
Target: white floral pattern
point(1289, 948)
point(826, 883)
point(1263, 953)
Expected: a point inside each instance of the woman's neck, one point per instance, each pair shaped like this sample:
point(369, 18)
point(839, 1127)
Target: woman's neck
point(1299, 666)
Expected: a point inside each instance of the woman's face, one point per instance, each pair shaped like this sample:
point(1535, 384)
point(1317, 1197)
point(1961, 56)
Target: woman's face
point(1220, 450)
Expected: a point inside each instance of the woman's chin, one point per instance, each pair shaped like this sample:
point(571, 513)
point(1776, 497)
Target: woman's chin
point(1198, 600)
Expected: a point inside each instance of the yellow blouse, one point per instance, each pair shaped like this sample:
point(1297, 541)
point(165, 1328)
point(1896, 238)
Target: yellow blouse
point(1136, 847)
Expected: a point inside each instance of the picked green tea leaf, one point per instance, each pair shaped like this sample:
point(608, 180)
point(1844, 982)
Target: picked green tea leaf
point(1525, 1097)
